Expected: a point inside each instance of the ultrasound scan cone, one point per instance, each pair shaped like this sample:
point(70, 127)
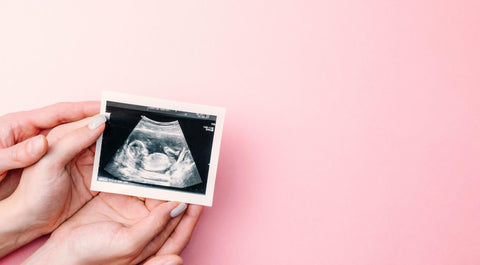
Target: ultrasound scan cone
point(155, 153)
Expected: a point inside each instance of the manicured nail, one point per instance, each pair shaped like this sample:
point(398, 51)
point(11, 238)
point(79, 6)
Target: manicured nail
point(36, 145)
point(97, 121)
point(178, 210)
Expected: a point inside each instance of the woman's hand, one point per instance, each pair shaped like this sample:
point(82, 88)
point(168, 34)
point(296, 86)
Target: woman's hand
point(119, 229)
point(23, 141)
point(54, 188)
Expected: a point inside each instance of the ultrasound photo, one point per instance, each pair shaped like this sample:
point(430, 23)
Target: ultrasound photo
point(158, 149)
point(155, 153)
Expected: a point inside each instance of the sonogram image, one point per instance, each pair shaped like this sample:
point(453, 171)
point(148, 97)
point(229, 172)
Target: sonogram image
point(155, 153)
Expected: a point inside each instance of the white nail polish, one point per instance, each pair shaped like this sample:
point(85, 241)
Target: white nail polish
point(97, 121)
point(178, 210)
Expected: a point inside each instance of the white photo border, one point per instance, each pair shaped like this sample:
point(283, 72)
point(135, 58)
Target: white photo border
point(156, 193)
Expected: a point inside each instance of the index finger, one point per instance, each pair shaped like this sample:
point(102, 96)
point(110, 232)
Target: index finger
point(179, 239)
point(59, 113)
point(26, 124)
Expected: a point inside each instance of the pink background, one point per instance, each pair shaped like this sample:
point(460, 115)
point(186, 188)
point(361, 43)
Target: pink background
point(352, 133)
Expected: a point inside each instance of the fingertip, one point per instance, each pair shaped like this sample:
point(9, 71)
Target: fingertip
point(165, 260)
point(97, 122)
point(37, 146)
point(23, 154)
point(178, 210)
point(195, 210)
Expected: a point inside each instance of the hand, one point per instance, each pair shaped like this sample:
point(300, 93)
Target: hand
point(165, 260)
point(119, 229)
point(22, 137)
point(54, 188)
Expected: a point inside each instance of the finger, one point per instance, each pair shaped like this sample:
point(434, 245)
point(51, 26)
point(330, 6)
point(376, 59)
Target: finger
point(22, 155)
point(152, 204)
point(26, 124)
point(165, 260)
point(61, 130)
point(183, 232)
point(66, 148)
point(56, 114)
point(145, 230)
point(84, 161)
point(129, 206)
point(154, 245)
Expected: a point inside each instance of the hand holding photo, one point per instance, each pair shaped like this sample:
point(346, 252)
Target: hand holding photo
point(158, 149)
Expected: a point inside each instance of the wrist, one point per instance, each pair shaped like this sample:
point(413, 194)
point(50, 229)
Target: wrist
point(51, 253)
point(16, 229)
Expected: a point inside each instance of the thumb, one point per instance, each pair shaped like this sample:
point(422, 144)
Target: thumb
point(165, 260)
point(23, 154)
point(145, 230)
point(71, 144)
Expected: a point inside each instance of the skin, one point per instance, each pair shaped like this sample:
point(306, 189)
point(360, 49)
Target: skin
point(38, 199)
point(19, 131)
point(125, 229)
point(51, 190)
point(165, 260)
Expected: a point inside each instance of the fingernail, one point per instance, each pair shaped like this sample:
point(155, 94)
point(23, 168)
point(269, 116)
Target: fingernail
point(97, 121)
point(178, 210)
point(36, 145)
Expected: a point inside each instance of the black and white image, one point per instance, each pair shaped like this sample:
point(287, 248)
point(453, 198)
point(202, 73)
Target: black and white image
point(155, 153)
point(158, 149)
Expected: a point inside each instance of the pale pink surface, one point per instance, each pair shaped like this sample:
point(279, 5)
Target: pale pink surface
point(352, 133)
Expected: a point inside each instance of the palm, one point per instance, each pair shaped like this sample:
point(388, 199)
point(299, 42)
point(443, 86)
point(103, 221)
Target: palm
point(105, 223)
point(54, 197)
point(79, 174)
point(52, 191)
point(73, 189)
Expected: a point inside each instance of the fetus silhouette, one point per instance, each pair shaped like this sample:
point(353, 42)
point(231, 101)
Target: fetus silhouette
point(155, 153)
